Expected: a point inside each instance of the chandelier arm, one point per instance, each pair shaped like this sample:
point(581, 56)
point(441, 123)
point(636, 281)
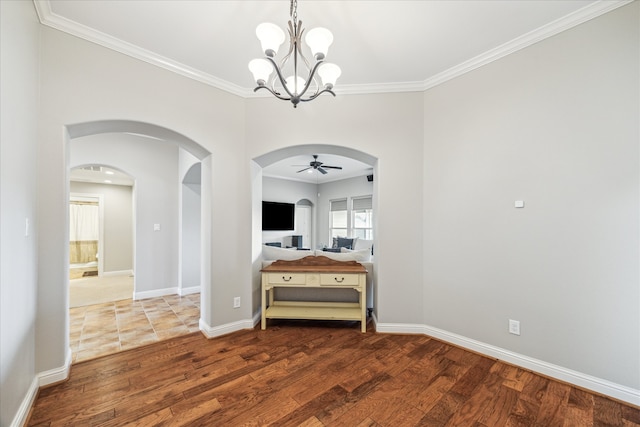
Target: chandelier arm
point(292, 38)
point(312, 78)
point(274, 93)
point(299, 48)
point(311, 98)
point(281, 78)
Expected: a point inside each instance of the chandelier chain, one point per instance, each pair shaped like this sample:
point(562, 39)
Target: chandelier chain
point(293, 11)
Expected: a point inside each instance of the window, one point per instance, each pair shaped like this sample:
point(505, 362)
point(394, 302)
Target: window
point(354, 222)
point(362, 218)
point(338, 218)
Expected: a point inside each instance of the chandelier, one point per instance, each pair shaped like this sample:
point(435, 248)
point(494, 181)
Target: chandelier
point(294, 87)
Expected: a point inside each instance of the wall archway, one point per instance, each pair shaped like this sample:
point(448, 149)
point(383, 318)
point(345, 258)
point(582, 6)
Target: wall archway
point(266, 159)
point(187, 155)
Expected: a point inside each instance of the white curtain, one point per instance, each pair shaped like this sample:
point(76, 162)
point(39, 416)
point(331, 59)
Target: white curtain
point(83, 220)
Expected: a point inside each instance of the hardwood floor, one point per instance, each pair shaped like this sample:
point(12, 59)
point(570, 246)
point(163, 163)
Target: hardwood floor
point(311, 374)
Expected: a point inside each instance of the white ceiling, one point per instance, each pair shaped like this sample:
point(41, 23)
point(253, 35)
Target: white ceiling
point(381, 46)
point(288, 169)
point(101, 175)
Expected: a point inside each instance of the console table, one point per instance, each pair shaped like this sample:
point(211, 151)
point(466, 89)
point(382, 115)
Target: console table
point(314, 272)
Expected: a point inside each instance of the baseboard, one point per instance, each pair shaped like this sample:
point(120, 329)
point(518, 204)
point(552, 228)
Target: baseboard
point(117, 273)
point(216, 331)
point(188, 291)
point(579, 379)
point(257, 318)
point(56, 375)
point(166, 291)
point(20, 418)
point(155, 293)
point(42, 379)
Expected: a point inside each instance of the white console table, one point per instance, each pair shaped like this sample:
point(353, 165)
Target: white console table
point(314, 272)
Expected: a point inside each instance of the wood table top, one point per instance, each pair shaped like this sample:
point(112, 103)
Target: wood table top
point(315, 264)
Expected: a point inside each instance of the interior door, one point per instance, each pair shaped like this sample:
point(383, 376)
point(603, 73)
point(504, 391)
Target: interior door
point(303, 225)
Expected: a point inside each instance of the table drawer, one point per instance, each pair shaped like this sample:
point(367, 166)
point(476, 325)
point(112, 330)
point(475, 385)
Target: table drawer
point(287, 278)
point(338, 279)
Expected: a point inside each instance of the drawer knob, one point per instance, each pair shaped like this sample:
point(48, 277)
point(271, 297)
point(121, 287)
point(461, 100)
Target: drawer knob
point(340, 280)
point(286, 279)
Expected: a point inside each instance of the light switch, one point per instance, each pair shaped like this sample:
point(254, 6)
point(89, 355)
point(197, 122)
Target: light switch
point(519, 204)
point(156, 227)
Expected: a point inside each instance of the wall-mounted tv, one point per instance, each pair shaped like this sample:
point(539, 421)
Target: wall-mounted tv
point(278, 216)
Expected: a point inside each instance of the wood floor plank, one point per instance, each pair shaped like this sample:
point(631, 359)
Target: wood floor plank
point(554, 405)
point(315, 374)
point(607, 412)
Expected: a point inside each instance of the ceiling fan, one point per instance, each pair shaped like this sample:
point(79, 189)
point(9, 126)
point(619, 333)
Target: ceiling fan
point(319, 166)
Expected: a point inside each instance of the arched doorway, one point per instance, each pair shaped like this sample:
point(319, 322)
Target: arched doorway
point(159, 199)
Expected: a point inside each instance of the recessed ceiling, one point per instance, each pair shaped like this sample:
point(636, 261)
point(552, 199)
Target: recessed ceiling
point(381, 46)
point(100, 175)
point(288, 169)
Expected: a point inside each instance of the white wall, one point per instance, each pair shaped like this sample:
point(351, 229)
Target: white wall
point(190, 171)
point(19, 66)
point(117, 254)
point(555, 125)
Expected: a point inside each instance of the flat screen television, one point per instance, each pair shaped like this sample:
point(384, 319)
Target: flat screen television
point(278, 216)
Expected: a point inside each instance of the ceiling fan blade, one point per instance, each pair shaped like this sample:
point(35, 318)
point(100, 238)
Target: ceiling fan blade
point(302, 170)
point(332, 167)
point(322, 171)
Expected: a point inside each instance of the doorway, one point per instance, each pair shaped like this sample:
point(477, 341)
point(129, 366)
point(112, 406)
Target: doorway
point(85, 241)
point(100, 235)
point(304, 223)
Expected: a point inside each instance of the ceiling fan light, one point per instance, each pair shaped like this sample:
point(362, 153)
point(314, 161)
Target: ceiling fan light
point(271, 37)
point(261, 70)
point(319, 39)
point(291, 84)
point(329, 74)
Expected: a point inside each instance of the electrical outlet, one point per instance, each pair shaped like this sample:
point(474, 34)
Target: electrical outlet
point(514, 327)
point(236, 302)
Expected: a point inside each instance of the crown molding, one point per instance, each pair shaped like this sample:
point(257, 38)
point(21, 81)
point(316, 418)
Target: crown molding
point(551, 29)
point(50, 19)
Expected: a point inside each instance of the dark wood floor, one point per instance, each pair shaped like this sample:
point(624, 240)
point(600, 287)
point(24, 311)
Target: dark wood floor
point(315, 374)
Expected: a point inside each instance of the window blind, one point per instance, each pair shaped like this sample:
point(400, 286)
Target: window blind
point(338, 205)
point(362, 203)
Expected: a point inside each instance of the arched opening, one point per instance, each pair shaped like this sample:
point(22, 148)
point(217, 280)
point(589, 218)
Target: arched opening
point(318, 203)
point(167, 210)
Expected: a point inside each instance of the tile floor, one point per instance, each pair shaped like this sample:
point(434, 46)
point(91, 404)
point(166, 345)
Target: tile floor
point(96, 330)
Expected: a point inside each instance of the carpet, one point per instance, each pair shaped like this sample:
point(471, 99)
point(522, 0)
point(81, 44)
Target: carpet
point(97, 290)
